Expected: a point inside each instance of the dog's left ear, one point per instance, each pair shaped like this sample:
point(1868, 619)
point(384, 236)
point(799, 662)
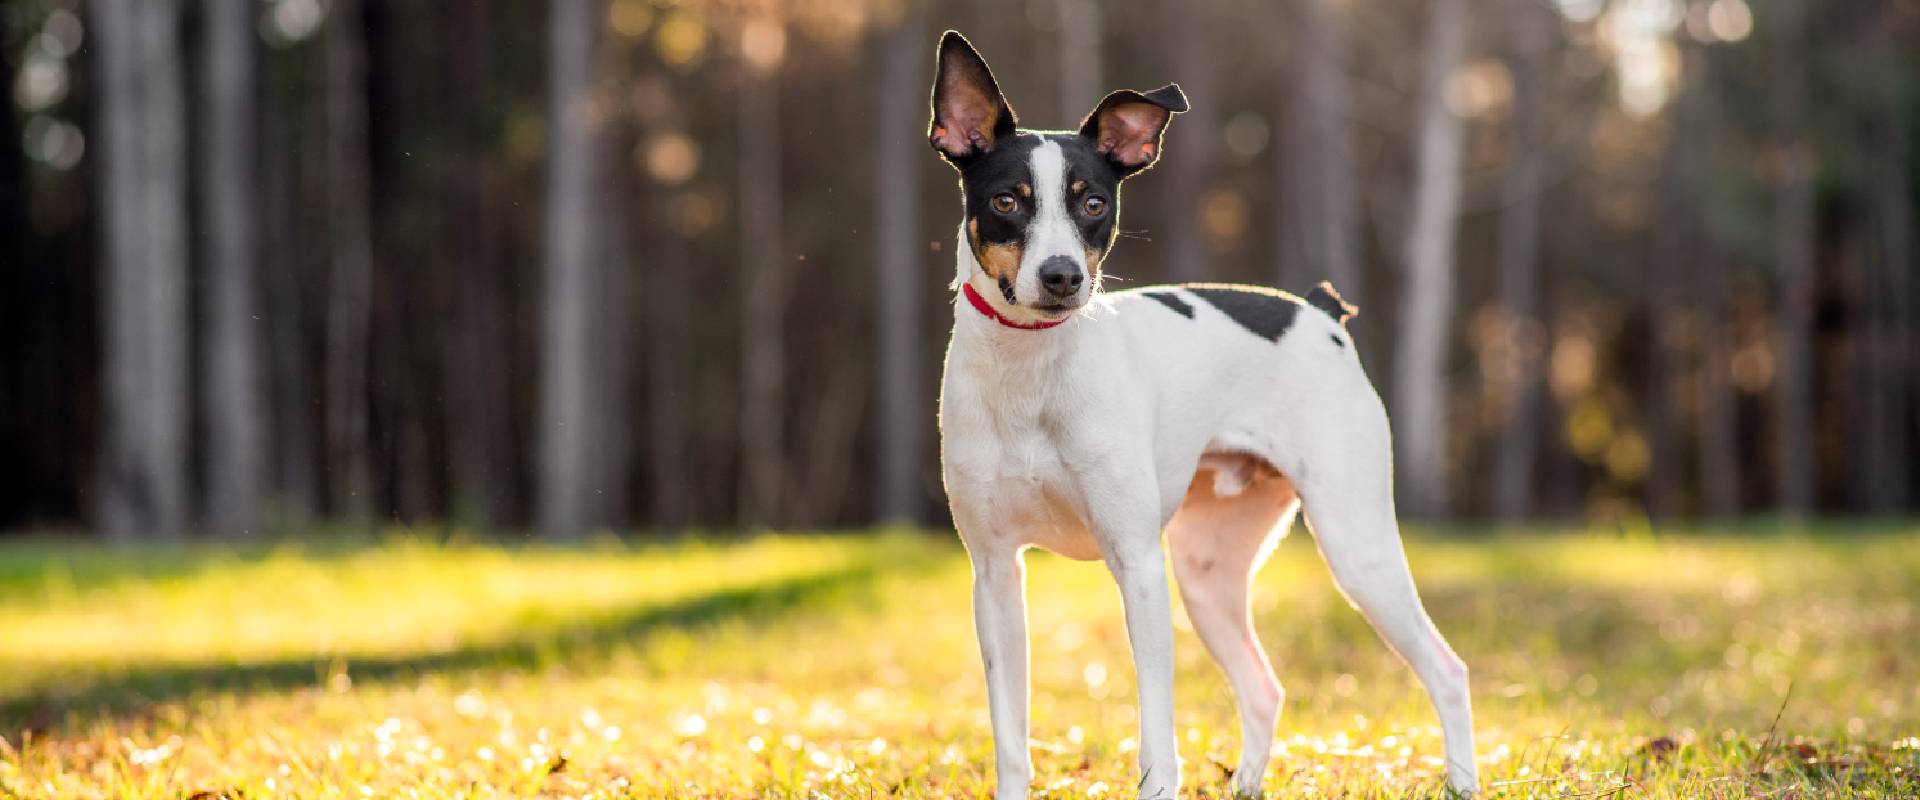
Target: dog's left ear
point(1127, 125)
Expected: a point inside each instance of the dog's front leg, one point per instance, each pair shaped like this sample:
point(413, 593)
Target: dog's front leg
point(1000, 619)
point(1133, 552)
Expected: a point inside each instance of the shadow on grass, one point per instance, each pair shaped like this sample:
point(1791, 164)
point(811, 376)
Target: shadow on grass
point(71, 700)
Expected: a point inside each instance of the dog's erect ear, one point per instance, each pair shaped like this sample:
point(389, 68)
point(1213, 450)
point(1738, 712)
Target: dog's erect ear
point(969, 114)
point(1126, 126)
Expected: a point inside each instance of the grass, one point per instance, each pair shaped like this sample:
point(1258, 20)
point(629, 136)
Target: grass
point(844, 666)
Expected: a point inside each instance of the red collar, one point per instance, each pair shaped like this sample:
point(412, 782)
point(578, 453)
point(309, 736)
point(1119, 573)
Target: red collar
point(980, 304)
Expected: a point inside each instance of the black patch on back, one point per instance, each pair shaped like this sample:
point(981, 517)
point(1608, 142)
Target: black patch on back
point(1173, 301)
point(1324, 297)
point(1266, 314)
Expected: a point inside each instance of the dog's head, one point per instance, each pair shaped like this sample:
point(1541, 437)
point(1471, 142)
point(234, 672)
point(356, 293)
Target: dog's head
point(1041, 206)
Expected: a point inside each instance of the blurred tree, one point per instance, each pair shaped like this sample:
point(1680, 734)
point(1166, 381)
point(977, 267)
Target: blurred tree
point(143, 180)
point(234, 397)
point(1319, 212)
point(900, 265)
point(1427, 298)
point(479, 433)
point(350, 298)
point(1886, 465)
point(1082, 57)
point(1718, 462)
point(569, 427)
point(1193, 151)
point(1531, 33)
point(763, 363)
point(1796, 470)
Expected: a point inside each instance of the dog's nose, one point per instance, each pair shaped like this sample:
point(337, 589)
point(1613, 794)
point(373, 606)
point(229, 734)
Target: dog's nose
point(1061, 277)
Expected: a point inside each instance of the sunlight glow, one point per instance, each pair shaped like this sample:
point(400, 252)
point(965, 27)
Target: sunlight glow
point(764, 44)
point(681, 38)
point(57, 143)
point(1730, 20)
point(630, 18)
point(1246, 135)
point(1645, 63)
point(1580, 10)
point(1479, 87)
point(41, 82)
point(291, 21)
point(670, 158)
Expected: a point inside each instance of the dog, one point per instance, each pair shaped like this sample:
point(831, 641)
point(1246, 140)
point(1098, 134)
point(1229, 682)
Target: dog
point(1096, 425)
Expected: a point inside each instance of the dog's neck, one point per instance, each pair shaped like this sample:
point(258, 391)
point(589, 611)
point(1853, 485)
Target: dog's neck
point(973, 327)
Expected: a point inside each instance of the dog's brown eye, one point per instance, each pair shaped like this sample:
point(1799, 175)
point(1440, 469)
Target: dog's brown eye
point(1094, 205)
point(1004, 203)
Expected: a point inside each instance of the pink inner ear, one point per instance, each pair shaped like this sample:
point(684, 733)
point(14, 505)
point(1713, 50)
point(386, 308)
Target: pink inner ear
point(1128, 131)
point(966, 121)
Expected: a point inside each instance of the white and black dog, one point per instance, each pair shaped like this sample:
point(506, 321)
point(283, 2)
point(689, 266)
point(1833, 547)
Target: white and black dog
point(1089, 423)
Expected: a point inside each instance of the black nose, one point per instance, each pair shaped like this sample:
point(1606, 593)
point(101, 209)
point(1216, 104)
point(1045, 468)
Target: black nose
point(1061, 277)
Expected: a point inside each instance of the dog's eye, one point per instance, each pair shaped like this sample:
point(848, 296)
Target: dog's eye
point(1005, 203)
point(1094, 205)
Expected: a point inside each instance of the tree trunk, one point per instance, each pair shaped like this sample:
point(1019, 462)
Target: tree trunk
point(1321, 210)
point(1796, 472)
point(143, 181)
point(1890, 342)
point(350, 279)
point(1718, 455)
point(478, 411)
point(1523, 386)
point(1082, 62)
point(670, 383)
point(611, 338)
point(1190, 159)
point(900, 270)
point(763, 468)
point(288, 264)
point(1427, 304)
point(234, 399)
point(1671, 253)
point(1665, 258)
point(566, 430)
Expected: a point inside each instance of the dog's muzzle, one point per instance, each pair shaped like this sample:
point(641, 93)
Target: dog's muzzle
point(1061, 277)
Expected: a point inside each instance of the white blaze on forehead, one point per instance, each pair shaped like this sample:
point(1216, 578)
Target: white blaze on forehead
point(1051, 232)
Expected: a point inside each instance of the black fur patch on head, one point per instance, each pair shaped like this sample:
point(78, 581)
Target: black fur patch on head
point(1009, 166)
point(1266, 313)
point(1000, 171)
point(1089, 174)
point(1173, 301)
point(1324, 297)
point(1006, 290)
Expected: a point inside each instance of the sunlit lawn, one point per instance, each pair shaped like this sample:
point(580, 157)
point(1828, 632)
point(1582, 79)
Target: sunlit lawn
point(845, 667)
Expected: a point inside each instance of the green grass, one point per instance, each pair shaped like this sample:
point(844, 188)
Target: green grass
point(844, 666)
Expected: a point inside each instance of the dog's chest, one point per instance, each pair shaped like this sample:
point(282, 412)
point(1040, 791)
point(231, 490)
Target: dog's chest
point(1002, 456)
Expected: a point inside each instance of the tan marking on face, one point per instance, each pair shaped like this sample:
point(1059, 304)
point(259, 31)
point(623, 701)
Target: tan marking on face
point(1078, 186)
point(1025, 190)
point(997, 260)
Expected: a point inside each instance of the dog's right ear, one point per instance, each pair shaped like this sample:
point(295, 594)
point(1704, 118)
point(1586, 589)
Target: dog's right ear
point(969, 113)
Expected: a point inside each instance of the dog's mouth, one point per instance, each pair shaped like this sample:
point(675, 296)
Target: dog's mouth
point(1058, 309)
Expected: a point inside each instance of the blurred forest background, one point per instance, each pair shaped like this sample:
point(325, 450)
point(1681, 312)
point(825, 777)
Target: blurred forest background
point(652, 263)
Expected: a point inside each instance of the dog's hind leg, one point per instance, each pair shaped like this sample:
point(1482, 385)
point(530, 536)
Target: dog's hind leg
point(1345, 488)
point(1218, 541)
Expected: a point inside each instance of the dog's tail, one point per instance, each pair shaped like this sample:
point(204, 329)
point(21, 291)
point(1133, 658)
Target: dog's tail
point(1325, 298)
